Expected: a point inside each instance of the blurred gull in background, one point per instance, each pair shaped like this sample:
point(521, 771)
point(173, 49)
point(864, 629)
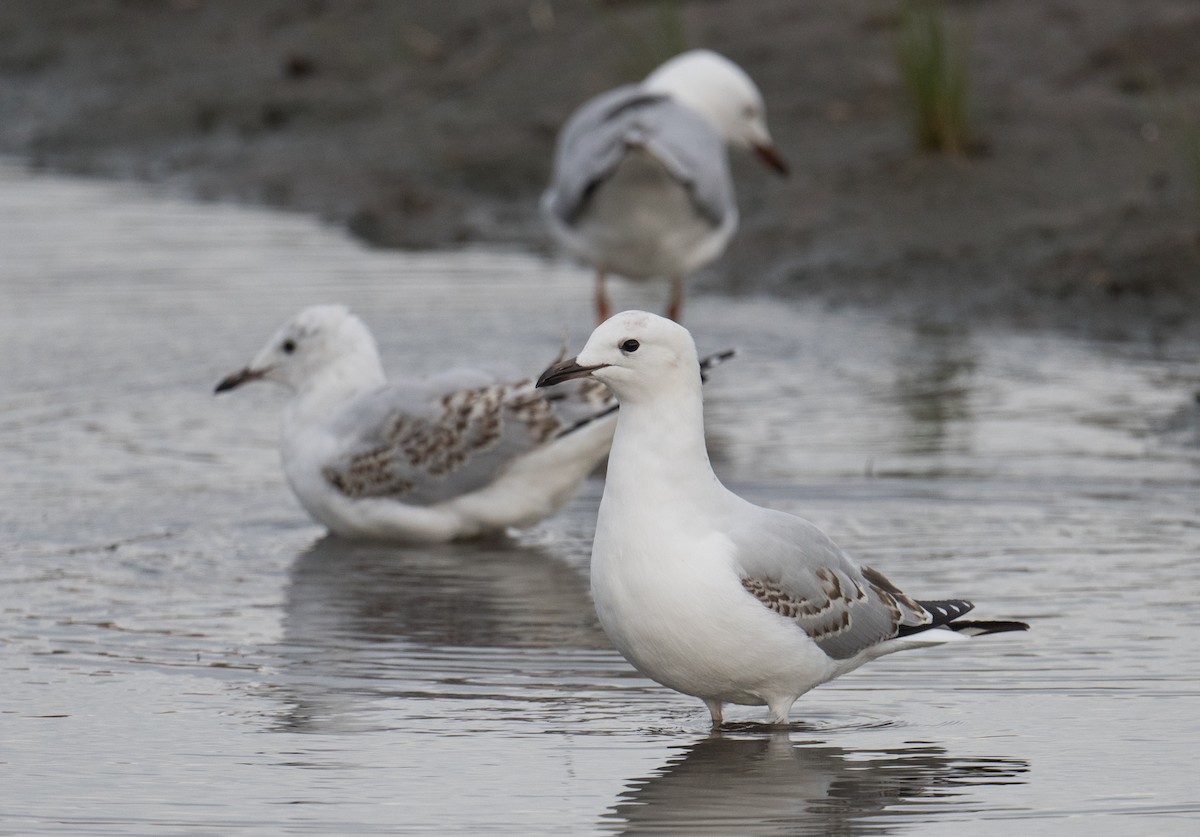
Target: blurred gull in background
point(641, 184)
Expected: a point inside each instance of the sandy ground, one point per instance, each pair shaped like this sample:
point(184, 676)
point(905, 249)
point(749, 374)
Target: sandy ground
point(431, 124)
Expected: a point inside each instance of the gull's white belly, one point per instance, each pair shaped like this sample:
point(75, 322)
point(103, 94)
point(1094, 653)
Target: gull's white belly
point(679, 613)
point(641, 223)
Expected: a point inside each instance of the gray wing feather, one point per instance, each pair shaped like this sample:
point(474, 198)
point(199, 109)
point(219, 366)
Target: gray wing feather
point(793, 568)
point(425, 442)
point(599, 134)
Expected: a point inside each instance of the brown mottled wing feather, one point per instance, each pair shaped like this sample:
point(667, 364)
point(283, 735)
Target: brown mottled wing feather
point(797, 571)
point(428, 442)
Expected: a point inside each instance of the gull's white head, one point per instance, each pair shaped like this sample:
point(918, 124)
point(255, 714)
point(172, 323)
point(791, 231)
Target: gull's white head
point(319, 339)
point(722, 93)
point(636, 354)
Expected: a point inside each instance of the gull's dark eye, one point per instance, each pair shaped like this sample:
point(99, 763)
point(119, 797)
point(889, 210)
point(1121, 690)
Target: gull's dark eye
point(289, 346)
point(629, 346)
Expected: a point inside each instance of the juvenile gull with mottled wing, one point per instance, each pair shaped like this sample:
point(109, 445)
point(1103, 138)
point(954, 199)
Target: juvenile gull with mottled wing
point(456, 455)
point(460, 454)
point(704, 591)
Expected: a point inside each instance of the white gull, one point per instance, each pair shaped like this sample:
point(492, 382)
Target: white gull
point(641, 184)
point(457, 455)
point(703, 591)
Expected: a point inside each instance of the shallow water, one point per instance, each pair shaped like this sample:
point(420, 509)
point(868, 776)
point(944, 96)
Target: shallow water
point(183, 652)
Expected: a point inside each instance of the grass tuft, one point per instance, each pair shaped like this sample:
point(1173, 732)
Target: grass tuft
point(1190, 143)
point(932, 59)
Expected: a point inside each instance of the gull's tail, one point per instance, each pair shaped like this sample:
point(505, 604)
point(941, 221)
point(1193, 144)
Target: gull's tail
point(945, 614)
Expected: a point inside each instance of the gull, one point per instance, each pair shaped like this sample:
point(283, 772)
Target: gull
point(641, 184)
point(460, 454)
point(703, 591)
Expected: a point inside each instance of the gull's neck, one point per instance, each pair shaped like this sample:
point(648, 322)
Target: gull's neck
point(658, 452)
point(698, 98)
point(335, 383)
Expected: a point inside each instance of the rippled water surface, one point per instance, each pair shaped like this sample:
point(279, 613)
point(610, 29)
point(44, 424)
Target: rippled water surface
point(181, 651)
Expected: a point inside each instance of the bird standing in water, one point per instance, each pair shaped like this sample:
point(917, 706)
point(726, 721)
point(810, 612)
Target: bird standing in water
point(703, 591)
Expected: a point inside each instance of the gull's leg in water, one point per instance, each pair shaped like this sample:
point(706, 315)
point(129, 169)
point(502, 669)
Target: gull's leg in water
point(714, 709)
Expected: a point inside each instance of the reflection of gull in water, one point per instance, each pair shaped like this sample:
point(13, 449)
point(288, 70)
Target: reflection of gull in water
point(933, 384)
point(1182, 427)
point(487, 594)
point(768, 785)
point(363, 622)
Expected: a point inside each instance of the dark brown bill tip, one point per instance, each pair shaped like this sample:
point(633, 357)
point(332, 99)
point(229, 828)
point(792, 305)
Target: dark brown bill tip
point(237, 379)
point(565, 370)
point(771, 156)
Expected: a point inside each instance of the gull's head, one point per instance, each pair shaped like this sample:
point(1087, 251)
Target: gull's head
point(722, 93)
point(316, 340)
point(636, 354)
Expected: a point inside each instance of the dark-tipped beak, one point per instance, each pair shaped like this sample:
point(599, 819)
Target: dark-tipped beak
point(770, 155)
point(565, 370)
point(238, 378)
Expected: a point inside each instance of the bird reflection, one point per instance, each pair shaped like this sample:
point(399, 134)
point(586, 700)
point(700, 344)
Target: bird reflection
point(1182, 427)
point(727, 784)
point(364, 621)
point(933, 385)
point(497, 593)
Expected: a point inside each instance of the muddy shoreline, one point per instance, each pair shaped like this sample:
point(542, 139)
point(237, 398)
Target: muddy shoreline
point(429, 125)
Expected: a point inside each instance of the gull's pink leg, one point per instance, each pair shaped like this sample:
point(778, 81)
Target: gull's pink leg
point(675, 306)
point(714, 709)
point(602, 308)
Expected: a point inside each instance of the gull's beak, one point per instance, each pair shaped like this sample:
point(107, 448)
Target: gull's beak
point(565, 370)
point(770, 155)
point(238, 378)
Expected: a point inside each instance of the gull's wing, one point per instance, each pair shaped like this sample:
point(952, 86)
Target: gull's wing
point(598, 135)
point(425, 442)
point(793, 568)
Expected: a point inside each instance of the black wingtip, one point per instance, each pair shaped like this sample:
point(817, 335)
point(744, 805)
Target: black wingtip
point(946, 614)
point(711, 362)
point(982, 627)
point(716, 358)
point(946, 610)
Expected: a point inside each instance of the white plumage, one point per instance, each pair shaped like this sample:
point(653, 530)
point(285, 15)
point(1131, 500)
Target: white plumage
point(702, 590)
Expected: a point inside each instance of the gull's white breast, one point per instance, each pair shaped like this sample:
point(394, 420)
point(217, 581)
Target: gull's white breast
point(670, 598)
point(642, 222)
